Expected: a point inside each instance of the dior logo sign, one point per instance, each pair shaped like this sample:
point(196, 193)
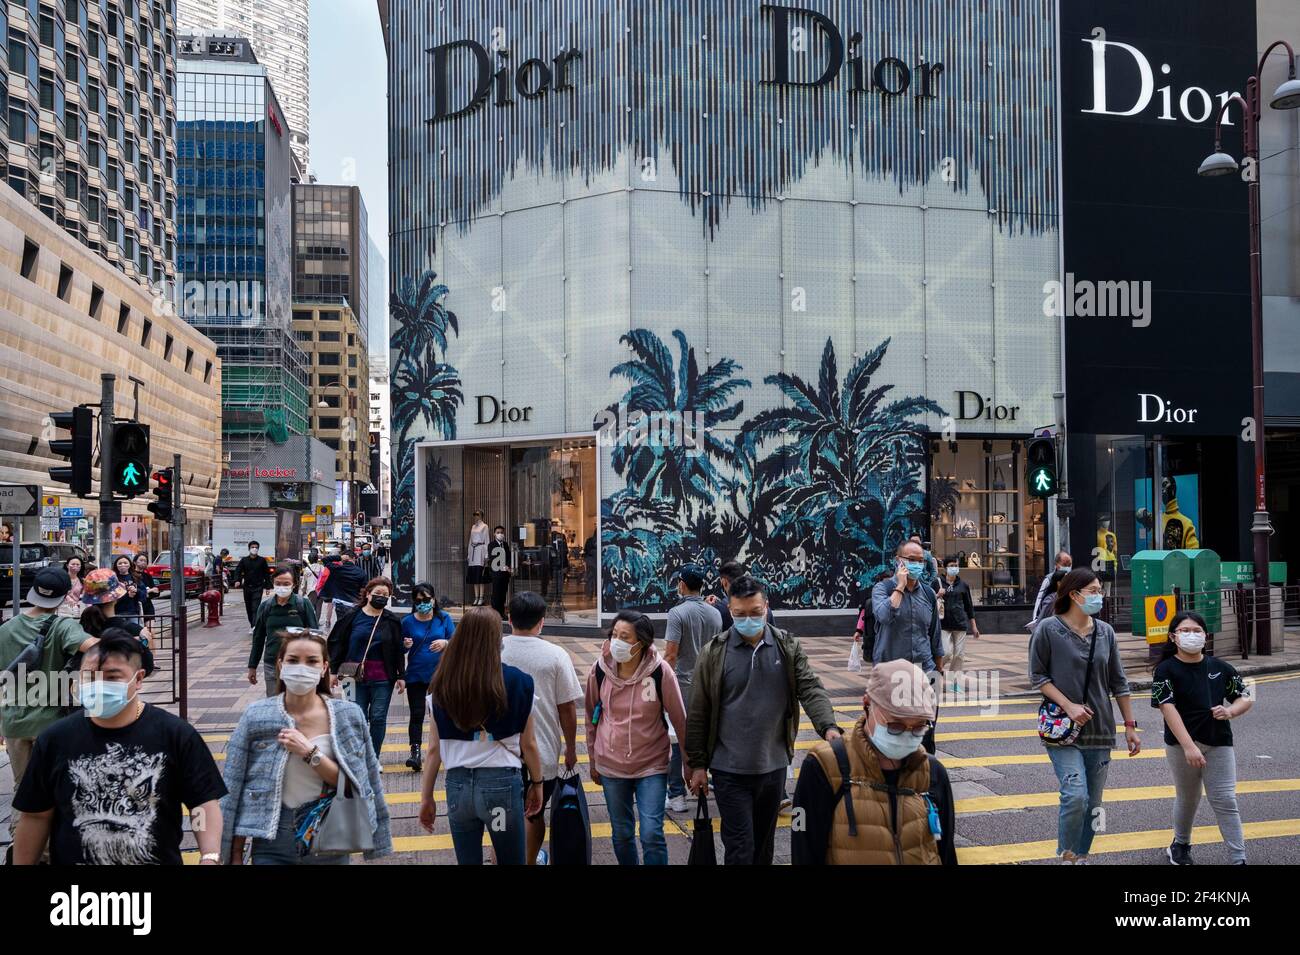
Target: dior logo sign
point(532, 80)
point(1193, 104)
point(1156, 409)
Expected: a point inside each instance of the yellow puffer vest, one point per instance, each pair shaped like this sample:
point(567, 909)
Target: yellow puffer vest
point(877, 842)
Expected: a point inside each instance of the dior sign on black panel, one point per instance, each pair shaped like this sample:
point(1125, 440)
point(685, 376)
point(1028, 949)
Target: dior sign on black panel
point(1141, 86)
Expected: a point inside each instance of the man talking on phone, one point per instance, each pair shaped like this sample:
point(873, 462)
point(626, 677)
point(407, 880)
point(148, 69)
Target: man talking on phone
point(907, 619)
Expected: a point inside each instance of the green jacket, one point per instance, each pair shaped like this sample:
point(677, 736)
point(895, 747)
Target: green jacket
point(270, 622)
point(805, 689)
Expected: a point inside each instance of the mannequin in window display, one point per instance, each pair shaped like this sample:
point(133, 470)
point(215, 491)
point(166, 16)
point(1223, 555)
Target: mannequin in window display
point(559, 559)
point(1177, 530)
point(500, 567)
point(1107, 545)
point(477, 555)
point(589, 563)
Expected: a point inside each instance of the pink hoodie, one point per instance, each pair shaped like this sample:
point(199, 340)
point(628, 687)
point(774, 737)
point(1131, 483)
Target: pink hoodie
point(631, 740)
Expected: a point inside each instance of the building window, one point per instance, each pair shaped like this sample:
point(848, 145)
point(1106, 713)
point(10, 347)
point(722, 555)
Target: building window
point(96, 301)
point(167, 348)
point(329, 336)
point(145, 333)
point(329, 424)
point(31, 252)
point(189, 359)
point(123, 318)
point(207, 372)
point(327, 358)
point(65, 283)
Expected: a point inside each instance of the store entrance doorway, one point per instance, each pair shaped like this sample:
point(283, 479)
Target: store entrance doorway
point(538, 502)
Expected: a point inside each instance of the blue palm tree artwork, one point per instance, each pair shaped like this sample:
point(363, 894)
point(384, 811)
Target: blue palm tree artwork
point(812, 494)
point(426, 395)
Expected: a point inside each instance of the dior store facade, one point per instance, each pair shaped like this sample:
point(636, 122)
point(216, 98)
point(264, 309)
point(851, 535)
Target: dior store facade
point(687, 282)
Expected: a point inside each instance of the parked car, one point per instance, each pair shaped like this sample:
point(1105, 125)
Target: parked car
point(194, 566)
point(32, 557)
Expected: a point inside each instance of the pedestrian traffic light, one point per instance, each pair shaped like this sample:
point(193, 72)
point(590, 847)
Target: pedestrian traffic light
point(165, 490)
point(1041, 458)
point(130, 458)
point(79, 449)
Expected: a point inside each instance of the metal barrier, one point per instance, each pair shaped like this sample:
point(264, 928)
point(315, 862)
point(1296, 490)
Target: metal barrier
point(1239, 604)
point(168, 641)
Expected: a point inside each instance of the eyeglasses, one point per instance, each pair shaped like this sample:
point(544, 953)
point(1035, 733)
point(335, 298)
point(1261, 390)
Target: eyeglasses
point(898, 729)
point(1189, 633)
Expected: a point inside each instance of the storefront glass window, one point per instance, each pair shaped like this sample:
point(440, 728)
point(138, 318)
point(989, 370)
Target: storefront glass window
point(981, 515)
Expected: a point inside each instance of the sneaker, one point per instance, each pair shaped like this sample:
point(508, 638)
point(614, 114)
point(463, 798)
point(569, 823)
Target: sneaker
point(1068, 858)
point(1180, 853)
point(543, 858)
point(677, 803)
point(787, 806)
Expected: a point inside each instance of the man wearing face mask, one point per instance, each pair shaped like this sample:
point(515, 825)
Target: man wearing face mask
point(499, 568)
point(253, 573)
point(691, 625)
point(748, 686)
point(1043, 606)
point(958, 617)
point(106, 786)
point(874, 797)
point(284, 609)
point(907, 619)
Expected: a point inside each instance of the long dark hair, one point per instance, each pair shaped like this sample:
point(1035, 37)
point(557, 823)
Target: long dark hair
point(1076, 579)
point(130, 564)
point(423, 587)
point(1170, 647)
point(94, 621)
point(323, 687)
point(81, 573)
point(468, 684)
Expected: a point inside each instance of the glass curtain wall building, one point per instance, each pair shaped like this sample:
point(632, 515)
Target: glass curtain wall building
point(234, 228)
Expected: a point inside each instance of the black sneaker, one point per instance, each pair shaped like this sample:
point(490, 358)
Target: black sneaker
point(1180, 853)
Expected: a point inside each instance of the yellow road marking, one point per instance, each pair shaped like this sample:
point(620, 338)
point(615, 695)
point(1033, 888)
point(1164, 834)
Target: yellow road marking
point(1120, 842)
point(979, 804)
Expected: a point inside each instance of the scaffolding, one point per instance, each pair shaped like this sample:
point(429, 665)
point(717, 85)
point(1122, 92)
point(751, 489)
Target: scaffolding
point(264, 392)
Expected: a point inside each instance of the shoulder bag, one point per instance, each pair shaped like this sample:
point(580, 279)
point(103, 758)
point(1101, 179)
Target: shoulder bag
point(352, 670)
point(345, 828)
point(1054, 727)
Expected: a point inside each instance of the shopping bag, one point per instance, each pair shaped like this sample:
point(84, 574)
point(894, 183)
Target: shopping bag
point(855, 657)
point(570, 823)
point(702, 848)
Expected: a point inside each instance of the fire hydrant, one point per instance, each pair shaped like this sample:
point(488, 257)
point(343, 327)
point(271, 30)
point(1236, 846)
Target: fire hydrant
point(212, 600)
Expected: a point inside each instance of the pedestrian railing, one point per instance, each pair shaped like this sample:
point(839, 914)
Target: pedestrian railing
point(168, 641)
point(1238, 611)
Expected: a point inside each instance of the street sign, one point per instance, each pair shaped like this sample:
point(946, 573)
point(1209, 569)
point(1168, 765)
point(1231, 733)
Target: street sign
point(324, 510)
point(19, 500)
point(74, 512)
point(1159, 611)
point(49, 500)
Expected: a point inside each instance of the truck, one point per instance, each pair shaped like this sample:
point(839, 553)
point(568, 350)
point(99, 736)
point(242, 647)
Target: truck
point(278, 532)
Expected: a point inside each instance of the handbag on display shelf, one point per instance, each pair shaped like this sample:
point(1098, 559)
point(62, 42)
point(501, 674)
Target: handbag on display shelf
point(965, 528)
point(999, 480)
point(968, 484)
point(1001, 576)
point(998, 518)
point(973, 560)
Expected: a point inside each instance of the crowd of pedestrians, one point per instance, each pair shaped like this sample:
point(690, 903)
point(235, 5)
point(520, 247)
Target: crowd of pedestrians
point(712, 710)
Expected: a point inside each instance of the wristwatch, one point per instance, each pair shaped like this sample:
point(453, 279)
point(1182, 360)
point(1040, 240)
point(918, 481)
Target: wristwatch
point(1130, 724)
point(313, 758)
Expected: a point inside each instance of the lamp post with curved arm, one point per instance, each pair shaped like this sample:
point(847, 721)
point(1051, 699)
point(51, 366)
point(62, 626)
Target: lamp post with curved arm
point(1220, 163)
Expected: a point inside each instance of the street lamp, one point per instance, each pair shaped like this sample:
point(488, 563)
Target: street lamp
point(1219, 163)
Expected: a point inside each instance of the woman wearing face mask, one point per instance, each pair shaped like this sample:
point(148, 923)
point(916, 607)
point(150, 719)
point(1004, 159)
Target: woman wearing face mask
point(148, 587)
point(285, 609)
point(424, 636)
point(630, 691)
point(1198, 694)
point(311, 574)
point(499, 567)
point(1074, 662)
point(958, 620)
point(296, 744)
point(71, 606)
point(366, 644)
point(130, 605)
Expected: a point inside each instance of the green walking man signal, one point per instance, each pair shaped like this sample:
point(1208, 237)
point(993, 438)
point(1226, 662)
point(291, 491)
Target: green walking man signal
point(1041, 459)
point(130, 457)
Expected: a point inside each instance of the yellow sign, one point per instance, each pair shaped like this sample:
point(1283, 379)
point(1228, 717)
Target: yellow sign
point(49, 500)
point(309, 518)
point(1160, 610)
point(324, 510)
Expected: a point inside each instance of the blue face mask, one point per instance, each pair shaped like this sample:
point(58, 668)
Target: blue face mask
point(953, 571)
point(916, 569)
point(1092, 604)
point(104, 698)
point(749, 626)
point(426, 607)
point(895, 747)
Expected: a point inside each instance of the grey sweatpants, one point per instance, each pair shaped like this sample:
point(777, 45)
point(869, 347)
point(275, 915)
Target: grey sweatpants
point(1220, 780)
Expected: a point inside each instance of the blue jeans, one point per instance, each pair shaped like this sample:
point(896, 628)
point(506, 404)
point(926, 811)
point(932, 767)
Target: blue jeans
point(1082, 775)
point(491, 798)
point(676, 785)
point(373, 698)
point(648, 792)
point(282, 851)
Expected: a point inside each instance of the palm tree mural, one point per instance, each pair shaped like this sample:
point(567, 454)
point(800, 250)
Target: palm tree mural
point(665, 477)
point(844, 446)
point(426, 391)
point(944, 496)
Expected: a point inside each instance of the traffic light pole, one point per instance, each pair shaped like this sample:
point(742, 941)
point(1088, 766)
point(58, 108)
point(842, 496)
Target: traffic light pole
point(180, 624)
point(107, 506)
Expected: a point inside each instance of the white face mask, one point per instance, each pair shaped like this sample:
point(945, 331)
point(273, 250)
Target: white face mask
point(282, 590)
point(300, 678)
point(1191, 642)
point(501, 537)
point(620, 651)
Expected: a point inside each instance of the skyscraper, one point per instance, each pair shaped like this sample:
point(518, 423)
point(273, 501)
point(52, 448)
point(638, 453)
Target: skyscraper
point(278, 31)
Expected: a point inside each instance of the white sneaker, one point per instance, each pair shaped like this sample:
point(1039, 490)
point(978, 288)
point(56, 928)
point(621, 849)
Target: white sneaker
point(677, 803)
